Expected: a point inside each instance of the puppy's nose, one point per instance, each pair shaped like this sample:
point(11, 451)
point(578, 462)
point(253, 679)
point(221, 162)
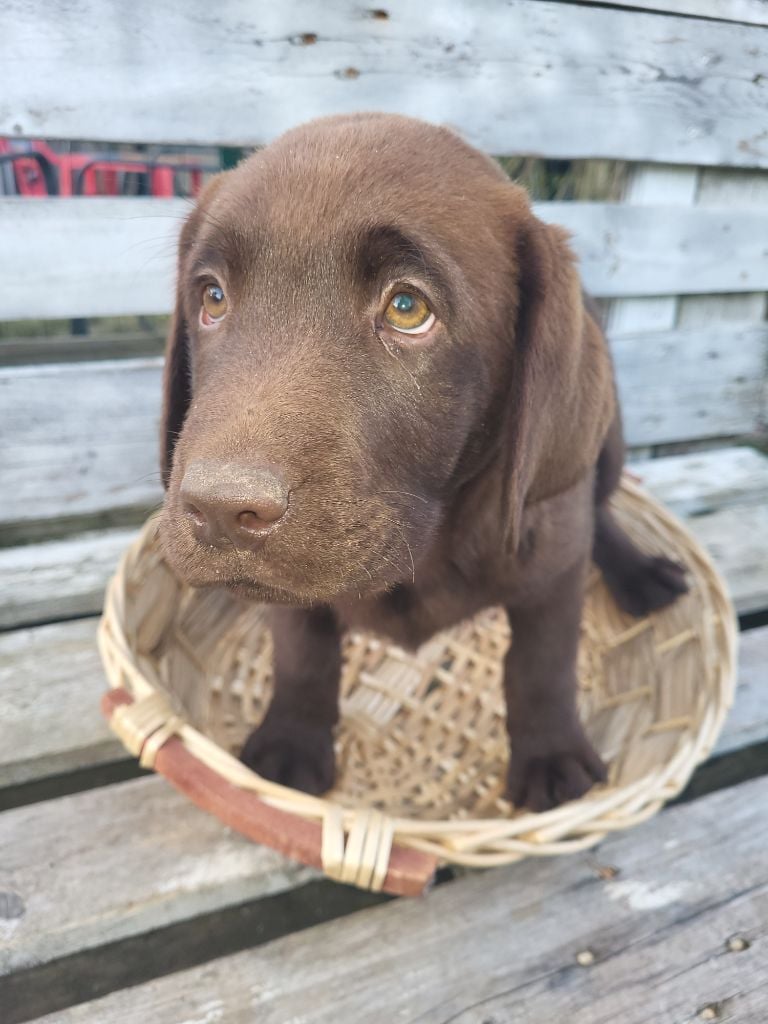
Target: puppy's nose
point(232, 503)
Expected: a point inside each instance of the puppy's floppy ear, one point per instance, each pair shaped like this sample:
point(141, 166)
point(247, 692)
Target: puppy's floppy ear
point(177, 374)
point(561, 398)
point(177, 388)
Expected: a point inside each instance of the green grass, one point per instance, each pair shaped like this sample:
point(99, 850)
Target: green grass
point(584, 180)
point(149, 325)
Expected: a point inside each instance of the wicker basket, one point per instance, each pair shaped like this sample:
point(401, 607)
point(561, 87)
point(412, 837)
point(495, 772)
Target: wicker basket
point(422, 746)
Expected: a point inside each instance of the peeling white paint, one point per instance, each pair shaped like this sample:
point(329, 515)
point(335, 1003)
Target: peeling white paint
point(212, 1012)
point(7, 928)
point(224, 865)
point(648, 895)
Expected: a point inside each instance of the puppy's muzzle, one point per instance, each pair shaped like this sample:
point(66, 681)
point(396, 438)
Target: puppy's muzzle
point(232, 503)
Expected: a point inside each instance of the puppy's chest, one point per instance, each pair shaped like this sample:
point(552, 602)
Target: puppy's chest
point(450, 587)
point(410, 614)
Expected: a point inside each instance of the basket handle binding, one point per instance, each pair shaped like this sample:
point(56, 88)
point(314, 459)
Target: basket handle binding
point(407, 873)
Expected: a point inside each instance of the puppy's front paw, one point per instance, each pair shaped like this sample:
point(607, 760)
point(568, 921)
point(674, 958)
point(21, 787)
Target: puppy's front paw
point(550, 769)
point(293, 753)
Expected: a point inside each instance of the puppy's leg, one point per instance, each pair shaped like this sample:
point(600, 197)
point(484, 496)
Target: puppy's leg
point(551, 759)
point(294, 743)
point(639, 583)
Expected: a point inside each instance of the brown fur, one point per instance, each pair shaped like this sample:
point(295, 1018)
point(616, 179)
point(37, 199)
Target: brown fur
point(426, 478)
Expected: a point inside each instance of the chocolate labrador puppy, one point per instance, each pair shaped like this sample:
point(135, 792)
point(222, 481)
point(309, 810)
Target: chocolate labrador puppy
point(388, 406)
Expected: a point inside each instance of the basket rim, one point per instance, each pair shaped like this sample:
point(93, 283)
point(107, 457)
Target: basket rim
point(476, 842)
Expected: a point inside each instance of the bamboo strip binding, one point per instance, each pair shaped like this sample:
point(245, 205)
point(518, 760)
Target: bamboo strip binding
point(422, 747)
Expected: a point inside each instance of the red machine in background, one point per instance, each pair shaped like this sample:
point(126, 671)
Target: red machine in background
point(33, 168)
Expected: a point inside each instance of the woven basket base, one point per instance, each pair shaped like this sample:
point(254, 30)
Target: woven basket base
point(422, 735)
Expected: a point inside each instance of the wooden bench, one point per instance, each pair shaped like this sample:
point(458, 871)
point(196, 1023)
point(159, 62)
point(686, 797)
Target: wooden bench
point(109, 879)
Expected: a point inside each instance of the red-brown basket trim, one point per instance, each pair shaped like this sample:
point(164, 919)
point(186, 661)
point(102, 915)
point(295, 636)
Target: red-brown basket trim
point(410, 872)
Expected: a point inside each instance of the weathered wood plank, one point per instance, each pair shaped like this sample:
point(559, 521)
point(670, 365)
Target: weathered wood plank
point(722, 496)
point(691, 383)
point(504, 945)
point(627, 250)
point(651, 184)
point(79, 438)
point(735, 538)
point(721, 187)
point(109, 257)
point(555, 79)
point(698, 484)
point(51, 681)
point(58, 579)
point(748, 12)
point(91, 257)
point(108, 863)
point(714, 312)
point(747, 722)
point(718, 188)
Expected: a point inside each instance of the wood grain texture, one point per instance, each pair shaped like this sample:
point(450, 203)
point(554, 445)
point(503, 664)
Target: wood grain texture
point(718, 188)
point(528, 76)
point(58, 579)
point(722, 495)
point(114, 257)
point(91, 256)
point(747, 721)
point(505, 945)
point(627, 250)
point(108, 863)
point(51, 681)
point(735, 538)
point(648, 185)
point(689, 383)
point(701, 483)
point(79, 437)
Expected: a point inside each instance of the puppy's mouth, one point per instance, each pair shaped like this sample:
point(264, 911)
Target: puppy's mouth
point(309, 592)
point(263, 593)
point(301, 566)
point(272, 580)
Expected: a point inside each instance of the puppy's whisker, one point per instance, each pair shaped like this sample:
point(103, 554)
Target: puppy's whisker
point(409, 494)
point(155, 475)
point(390, 351)
point(413, 564)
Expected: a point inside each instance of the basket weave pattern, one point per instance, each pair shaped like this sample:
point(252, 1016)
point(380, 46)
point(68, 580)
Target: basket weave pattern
point(422, 746)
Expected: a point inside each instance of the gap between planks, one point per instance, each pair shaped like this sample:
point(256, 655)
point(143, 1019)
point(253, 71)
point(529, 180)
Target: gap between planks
point(94, 867)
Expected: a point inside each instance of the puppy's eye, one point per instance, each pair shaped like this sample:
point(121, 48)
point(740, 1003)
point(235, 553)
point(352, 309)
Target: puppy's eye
point(214, 304)
point(409, 314)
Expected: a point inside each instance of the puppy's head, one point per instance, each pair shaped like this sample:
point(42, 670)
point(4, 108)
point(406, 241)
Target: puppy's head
point(365, 312)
